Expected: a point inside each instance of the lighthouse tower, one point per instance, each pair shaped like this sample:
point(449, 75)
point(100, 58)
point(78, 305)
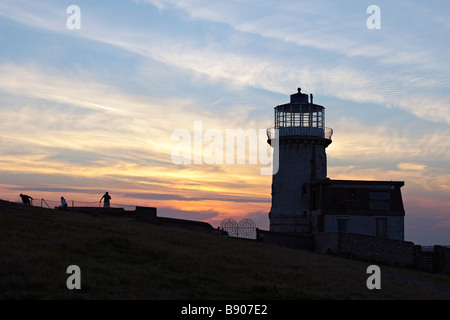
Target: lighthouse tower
point(302, 138)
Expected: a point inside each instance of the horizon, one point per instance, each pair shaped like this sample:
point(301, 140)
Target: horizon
point(99, 103)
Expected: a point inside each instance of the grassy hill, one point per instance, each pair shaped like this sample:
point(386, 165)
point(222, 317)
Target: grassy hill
point(123, 259)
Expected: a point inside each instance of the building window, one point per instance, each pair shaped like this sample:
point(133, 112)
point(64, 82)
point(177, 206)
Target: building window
point(379, 195)
point(380, 200)
point(342, 224)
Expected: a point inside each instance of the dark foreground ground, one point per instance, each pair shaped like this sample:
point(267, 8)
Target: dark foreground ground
point(124, 259)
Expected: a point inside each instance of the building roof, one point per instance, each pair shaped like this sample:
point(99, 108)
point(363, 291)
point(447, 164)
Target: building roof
point(358, 197)
point(360, 183)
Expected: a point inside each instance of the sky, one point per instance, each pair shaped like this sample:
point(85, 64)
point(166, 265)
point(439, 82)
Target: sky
point(116, 97)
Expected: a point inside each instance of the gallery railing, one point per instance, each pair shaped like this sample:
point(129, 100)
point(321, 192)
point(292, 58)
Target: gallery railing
point(300, 131)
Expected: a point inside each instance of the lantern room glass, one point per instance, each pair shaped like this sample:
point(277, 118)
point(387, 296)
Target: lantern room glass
point(299, 115)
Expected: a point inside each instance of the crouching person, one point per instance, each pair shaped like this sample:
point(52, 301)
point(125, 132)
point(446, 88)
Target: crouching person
point(63, 205)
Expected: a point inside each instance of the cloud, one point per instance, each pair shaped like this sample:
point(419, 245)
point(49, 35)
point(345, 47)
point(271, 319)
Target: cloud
point(157, 3)
point(358, 141)
point(188, 215)
point(61, 190)
point(373, 81)
point(83, 113)
point(411, 166)
point(42, 15)
point(56, 135)
point(324, 26)
point(209, 196)
point(260, 65)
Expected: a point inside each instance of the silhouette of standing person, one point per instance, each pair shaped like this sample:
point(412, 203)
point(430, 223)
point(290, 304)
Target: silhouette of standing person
point(106, 197)
point(26, 199)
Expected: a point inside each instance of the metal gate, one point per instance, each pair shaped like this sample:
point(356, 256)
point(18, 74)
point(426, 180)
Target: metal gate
point(245, 229)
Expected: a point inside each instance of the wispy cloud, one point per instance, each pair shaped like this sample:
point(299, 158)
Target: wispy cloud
point(240, 64)
point(370, 82)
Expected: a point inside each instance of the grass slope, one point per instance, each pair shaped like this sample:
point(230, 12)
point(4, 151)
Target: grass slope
point(121, 259)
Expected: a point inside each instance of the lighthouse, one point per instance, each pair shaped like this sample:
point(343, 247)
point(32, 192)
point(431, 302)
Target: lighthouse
point(305, 201)
point(301, 136)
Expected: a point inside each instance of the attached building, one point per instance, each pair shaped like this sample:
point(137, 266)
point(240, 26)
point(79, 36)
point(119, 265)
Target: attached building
point(373, 208)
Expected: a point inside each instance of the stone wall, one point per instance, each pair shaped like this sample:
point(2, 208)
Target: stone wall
point(186, 224)
point(100, 210)
point(146, 214)
point(290, 224)
point(289, 240)
point(441, 259)
point(326, 242)
point(149, 214)
point(373, 249)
